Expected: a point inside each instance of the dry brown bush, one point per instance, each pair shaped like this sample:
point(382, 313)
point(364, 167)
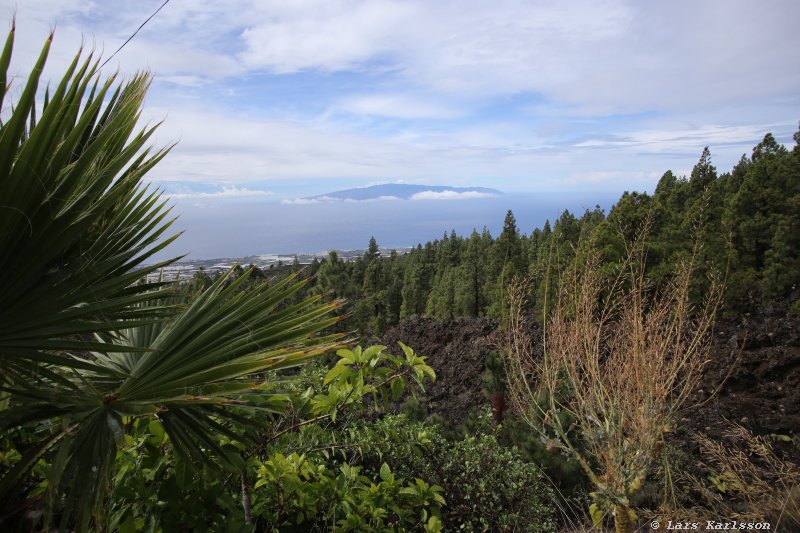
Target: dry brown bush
point(751, 483)
point(621, 358)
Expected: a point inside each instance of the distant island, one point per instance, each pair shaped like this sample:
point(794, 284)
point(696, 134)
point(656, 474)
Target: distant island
point(406, 191)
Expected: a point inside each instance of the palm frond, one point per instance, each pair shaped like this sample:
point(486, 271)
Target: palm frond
point(76, 222)
point(193, 372)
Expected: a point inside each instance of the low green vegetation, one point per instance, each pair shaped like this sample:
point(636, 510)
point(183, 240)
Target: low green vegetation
point(299, 474)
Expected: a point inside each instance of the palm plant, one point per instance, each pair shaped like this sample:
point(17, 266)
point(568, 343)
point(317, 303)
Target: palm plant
point(86, 342)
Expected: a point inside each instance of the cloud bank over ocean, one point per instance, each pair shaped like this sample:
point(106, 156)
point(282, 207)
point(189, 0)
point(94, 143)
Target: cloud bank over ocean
point(384, 192)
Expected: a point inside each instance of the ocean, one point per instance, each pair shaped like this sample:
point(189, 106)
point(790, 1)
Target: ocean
point(238, 227)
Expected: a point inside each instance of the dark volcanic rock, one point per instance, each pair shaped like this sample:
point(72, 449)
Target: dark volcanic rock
point(754, 367)
point(457, 350)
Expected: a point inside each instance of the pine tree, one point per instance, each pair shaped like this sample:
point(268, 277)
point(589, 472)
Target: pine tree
point(394, 289)
point(441, 300)
point(373, 252)
point(763, 219)
point(508, 262)
point(415, 284)
point(470, 282)
point(703, 173)
point(508, 247)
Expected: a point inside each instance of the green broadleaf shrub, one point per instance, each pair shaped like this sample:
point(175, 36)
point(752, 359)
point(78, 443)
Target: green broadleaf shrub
point(488, 487)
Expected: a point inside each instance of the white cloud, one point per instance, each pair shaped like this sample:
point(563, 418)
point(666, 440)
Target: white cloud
point(386, 198)
point(687, 139)
point(324, 35)
point(186, 81)
point(399, 106)
point(611, 177)
point(216, 145)
point(332, 199)
point(594, 58)
point(301, 201)
point(383, 182)
point(314, 200)
point(178, 61)
point(450, 195)
point(226, 192)
point(597, 57)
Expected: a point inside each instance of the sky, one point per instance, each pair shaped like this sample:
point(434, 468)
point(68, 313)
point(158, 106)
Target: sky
point(275, 100)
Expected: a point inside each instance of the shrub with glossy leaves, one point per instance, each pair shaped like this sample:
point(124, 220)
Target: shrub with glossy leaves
point(488, 487)
point(295, 491)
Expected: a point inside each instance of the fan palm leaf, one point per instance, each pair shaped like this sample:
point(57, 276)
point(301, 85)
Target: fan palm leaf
point(193, 372)
point(76, 221)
